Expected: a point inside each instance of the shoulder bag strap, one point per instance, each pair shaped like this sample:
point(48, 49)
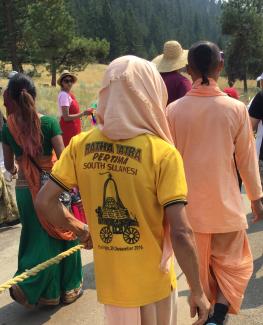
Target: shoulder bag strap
point(35, 164)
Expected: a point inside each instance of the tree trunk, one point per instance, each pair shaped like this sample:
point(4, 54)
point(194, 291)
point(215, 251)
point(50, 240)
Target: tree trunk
point(8, 8)
point(53, 74)
point(245, 83)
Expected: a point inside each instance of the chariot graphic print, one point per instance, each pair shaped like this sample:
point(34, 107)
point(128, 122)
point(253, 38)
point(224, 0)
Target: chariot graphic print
point(115, 217)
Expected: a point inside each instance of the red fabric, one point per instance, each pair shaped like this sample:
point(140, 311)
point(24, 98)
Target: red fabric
point(78, 211)
point(71, 128)
point(232, 92)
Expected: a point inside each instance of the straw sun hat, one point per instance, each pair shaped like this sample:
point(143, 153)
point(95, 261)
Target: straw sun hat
point(64, 74)
point(174, 57)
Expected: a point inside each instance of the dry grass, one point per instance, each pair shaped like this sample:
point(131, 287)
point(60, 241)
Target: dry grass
point(85, 90)
point(88, 85)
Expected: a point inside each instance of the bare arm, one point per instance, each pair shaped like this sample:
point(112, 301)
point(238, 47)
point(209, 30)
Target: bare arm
point(47, 203)
point(9, 159)
point(254, 123)
point(70, 117)
point(58, 145)
point(185, 251)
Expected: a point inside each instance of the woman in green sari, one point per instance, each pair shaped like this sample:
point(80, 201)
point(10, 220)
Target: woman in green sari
point(30, 138)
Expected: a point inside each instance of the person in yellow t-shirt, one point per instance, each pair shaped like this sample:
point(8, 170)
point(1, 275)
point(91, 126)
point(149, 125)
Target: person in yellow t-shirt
point(131, 179)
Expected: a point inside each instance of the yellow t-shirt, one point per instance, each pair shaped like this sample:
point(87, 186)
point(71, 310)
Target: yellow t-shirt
point(125, 186)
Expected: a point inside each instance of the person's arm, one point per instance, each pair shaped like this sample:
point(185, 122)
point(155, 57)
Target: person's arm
point(47, 203)
point(184, 247)
point(9, 159)
point(70, 117)
point(64, 102)
point(172, 195)
point(58, 145)
point(254, 123)
point(62, 177)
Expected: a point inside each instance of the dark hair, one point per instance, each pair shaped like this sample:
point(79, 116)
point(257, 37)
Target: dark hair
point(204, 57)
point(23, 91)
point(231, 83)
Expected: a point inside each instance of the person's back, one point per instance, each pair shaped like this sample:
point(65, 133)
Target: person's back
point(206, 134)
point(117, 182)
point(211, 131)
point(49, 129)
point(31, 138)
point(131, 181)
point(177, 85)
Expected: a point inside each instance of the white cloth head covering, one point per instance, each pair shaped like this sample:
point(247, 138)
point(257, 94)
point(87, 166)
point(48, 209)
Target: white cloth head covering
point(133, 100)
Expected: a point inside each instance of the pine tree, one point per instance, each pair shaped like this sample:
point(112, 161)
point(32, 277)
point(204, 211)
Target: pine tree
point(242, 21)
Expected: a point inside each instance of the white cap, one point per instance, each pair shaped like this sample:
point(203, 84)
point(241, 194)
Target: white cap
point(260, 77)
point(12, 74)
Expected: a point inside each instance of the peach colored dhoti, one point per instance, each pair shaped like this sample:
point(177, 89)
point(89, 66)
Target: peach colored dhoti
point(225, 260)
point(162, 312)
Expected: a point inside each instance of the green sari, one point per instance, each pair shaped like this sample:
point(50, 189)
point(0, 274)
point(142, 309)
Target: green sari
point(59, 282)
point(36, 246)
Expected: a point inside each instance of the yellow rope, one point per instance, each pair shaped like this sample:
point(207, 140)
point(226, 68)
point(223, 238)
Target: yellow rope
point(40, 267)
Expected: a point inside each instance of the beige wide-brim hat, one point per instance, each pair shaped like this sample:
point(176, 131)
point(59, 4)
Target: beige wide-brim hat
point(64, 74)
point(174, 57)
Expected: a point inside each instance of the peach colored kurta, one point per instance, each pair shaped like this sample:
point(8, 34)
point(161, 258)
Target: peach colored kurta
point(208, 128)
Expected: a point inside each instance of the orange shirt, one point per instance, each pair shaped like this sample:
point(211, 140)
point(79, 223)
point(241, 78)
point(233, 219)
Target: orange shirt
point(208, 127)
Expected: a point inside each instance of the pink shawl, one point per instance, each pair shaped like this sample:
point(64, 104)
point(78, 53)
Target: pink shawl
point(133, 101)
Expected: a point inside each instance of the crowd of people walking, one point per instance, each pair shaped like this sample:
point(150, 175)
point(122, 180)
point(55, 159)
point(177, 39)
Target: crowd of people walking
point(158, 178)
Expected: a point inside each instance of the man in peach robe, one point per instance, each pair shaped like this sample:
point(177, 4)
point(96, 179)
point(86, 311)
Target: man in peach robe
point(208, 128)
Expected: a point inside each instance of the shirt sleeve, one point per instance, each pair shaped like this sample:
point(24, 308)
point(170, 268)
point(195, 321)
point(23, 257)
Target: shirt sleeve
point(55, 128)
point(246, 158)
point(171, 182)
point(256, 107)
point(64, 99)
point(64, 170)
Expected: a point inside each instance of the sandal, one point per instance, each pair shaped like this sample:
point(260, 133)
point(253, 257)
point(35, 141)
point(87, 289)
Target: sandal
point(18, 295)
point(71, 296)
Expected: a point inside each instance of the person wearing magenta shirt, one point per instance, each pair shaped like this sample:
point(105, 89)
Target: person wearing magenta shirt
point(170, 64)
point(68, 108)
